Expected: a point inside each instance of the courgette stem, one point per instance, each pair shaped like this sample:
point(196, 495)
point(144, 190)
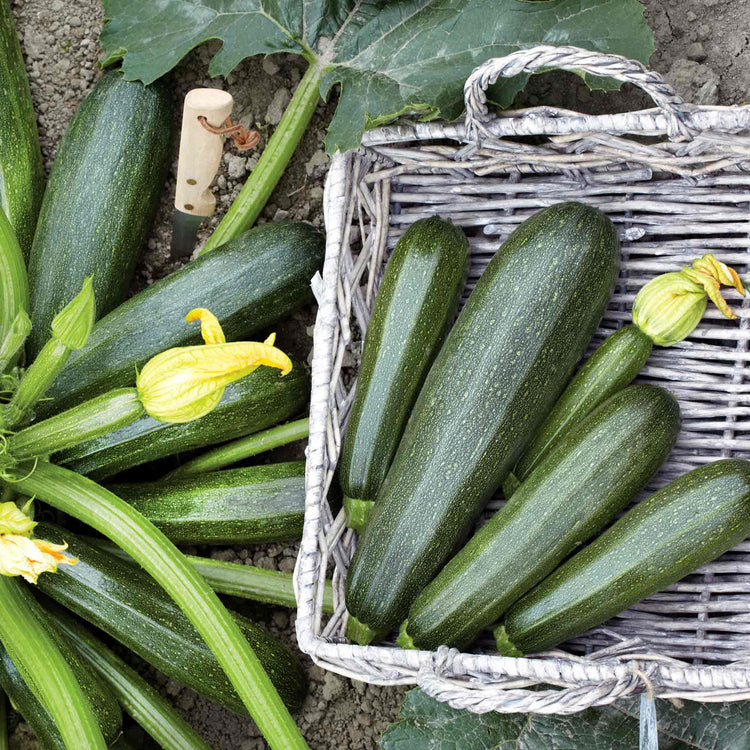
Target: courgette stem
point(141, 701)
point(35, 381)
point(234, 579)
point(89, 420)
point(44, 668)
point(3, 721)
point(11, 346)
point(358, 512)
point(245, 447)
point(273, 161)
point(90, 503)
point(14, 282)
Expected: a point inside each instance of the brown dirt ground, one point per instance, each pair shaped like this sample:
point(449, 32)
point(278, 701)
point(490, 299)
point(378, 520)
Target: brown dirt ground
point(703, 49)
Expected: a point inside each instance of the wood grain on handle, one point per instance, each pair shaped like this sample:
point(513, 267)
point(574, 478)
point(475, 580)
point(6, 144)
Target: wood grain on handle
point(200, 151)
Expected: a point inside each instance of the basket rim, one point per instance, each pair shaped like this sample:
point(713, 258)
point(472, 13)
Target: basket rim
point(389, 665)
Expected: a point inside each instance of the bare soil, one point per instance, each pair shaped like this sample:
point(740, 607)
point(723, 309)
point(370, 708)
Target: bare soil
point(703, 50)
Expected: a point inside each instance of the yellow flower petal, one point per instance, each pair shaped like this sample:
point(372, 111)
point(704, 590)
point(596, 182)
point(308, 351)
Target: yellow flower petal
point(185, 383)
point(711, 274)
point(211, 329)
point(29, 558)
point(14, 521)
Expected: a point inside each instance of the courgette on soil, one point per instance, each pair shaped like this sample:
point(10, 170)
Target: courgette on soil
point(608, 370)
point(130, 606)
point(575, 491)
point(103, 702)
point(500, 371)
point(686, 524)
point(261, 399)
point(21, 171)
point(249, 283)
point(416, 303)
point(236, 506)
point(101, 199)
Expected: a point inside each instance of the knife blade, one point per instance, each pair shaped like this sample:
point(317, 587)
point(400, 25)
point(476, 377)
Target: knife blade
point(198, 162)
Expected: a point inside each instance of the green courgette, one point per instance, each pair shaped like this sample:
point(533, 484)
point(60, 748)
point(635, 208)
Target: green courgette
point(249, 284)
point(103, 702)
point(686, 524)
point(235, 506)
point(129, 605)
point(101, 198)
point(416, 303)
point(500, 371)
point(589, 477)
point(21, 172)
point(610, 368)
point(261, 399)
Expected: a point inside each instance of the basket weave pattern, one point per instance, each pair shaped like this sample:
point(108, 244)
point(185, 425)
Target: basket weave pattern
point(680, 191)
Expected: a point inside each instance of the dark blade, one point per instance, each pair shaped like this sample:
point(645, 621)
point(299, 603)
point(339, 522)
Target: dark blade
point(184, 231)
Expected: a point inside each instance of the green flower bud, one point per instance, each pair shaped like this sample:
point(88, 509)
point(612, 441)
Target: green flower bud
point(72, 325)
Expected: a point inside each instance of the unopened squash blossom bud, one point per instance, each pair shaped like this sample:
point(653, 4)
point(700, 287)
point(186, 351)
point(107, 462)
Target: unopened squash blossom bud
point(186, 383)
point(670, 307)
point(20, 555)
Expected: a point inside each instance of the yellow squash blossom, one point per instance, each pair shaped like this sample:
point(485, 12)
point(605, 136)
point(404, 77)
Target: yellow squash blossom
point(186, 383)
point(20, 555)
point(669, 307)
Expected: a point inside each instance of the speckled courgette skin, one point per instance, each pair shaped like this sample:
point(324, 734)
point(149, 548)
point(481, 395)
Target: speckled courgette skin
point(500, 371)
point(21, 172)
point(262, 399)
point(100, 697)
point(589, 477)
point(691, 521)
point(610, 368)
point(252, 504)
point(250, 283)
point(415, 305)
point(129, 605)
point(101, 198)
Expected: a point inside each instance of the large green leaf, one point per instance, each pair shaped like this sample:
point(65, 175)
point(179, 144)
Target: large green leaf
point(389, 56)
point(426, 724)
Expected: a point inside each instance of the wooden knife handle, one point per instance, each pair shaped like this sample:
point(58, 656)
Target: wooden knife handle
point(200, 150)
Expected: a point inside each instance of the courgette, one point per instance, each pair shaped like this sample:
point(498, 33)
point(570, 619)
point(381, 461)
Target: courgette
point(610, 368)
point(130, 606)
point(500, 371)
point(101, 698)
point(686, 524)
point(590, 476)
point(21, 171)
point(101, 198)
point(261, 399)
point(416, 303)
point(250, 283)
point(237, 506)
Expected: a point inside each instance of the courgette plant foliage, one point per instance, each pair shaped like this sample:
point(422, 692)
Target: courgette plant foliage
point(390, 56)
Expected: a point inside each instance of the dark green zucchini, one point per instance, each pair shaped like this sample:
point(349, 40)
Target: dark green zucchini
point(415, 305)
point(502, 367)
point(101, 198)
point(579, 487)
point(235, 506)
point(101, 698)
point(125, 602)
point(262, 399)
point(21, 172)
point(609, 369)
point(249, 284)
point(686, 524)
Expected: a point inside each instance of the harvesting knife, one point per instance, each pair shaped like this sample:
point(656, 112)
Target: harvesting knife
point(198, 163)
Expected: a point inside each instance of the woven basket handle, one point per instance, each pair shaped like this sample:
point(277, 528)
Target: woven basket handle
point(674, 108)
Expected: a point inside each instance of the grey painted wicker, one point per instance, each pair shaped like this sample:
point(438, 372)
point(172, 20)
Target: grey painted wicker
point(682, 191)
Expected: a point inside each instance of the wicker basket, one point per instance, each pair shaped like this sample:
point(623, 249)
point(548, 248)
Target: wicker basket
point(679, 189)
